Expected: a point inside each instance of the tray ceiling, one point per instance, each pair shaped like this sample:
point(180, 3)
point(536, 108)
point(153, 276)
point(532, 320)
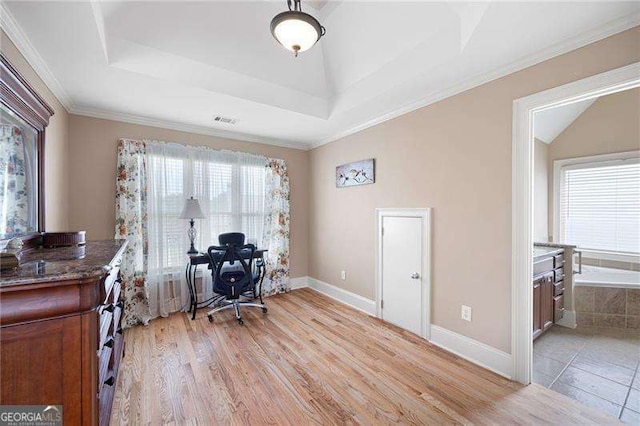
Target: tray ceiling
point(183, 63)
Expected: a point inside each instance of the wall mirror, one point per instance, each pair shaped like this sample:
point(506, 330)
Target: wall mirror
point(24, 115)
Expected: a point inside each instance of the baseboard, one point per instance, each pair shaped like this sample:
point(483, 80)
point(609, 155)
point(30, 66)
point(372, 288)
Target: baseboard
point(355, 301)
point(568, 320)
point(477, 352)
point(299, 282)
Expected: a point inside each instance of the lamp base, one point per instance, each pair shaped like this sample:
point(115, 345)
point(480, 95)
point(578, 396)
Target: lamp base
point(192, 237)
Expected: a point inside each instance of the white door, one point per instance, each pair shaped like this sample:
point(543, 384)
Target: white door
point(402, 255)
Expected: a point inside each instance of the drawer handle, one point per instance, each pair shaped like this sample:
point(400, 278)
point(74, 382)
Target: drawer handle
point(109, 381)
point(109, 343)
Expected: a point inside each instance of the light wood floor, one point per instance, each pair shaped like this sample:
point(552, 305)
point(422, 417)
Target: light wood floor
point(311, 360)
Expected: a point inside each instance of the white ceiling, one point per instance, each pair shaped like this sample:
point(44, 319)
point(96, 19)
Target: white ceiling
point(548, 124)
point(179, 64)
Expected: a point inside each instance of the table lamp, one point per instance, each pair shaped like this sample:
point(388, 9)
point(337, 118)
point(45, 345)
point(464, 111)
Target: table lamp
point(192, 211)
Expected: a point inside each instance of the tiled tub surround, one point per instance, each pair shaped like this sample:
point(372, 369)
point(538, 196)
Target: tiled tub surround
point(598, 367)
point(607, 307)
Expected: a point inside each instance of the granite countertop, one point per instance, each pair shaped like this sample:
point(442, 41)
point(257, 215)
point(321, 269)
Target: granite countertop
point(556, 245)
point(542, 250)
point(540, 253)
point(63, 263)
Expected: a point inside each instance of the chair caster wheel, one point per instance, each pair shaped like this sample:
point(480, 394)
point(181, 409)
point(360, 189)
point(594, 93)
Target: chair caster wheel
point(264, 310)
point(240, 321)
point(210, 318)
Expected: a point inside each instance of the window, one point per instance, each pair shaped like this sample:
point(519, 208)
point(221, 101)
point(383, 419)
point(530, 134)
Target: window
point(598, 202)
point(231, 193)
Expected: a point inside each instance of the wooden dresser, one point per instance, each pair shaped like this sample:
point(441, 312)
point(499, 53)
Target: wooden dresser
point(61, 339)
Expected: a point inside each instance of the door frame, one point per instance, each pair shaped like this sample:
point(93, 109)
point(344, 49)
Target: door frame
point(606, 83)
point(425, 215)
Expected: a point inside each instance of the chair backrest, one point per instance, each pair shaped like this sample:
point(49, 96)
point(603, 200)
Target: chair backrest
point(234, 238)
point(231, 269)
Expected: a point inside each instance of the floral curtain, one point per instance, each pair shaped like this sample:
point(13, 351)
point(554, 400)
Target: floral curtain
point(14, 193)
point(154, 178)
point(276, 228)
point(131, 224)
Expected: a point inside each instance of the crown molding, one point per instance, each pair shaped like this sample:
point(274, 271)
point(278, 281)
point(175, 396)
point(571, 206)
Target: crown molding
point(33, 58)
point(26, 48)
point(596, 34)
point(182, 127)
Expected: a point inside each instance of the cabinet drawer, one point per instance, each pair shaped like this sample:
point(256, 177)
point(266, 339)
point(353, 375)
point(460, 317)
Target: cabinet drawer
point(558, 275)
point(117, 321)
point(558, 308)
point(106, 321)
point(109, 282)
point(104, 360)
point(558, 288)
point(558, 260)
point(117, 290)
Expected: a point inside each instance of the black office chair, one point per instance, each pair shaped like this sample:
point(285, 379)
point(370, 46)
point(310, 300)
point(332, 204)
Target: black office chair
point(233, 278)
point(235, 238)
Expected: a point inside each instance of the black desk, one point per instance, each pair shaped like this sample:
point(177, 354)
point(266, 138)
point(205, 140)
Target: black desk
point(203, 259)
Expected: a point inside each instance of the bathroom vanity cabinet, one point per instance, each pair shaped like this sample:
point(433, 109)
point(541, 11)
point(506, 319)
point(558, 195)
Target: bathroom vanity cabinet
point(548, 288)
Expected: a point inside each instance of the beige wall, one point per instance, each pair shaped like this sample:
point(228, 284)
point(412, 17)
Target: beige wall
point(453, 156)
point(540, 192)
point(56, 143)
point(93, 149)
point(611, 124)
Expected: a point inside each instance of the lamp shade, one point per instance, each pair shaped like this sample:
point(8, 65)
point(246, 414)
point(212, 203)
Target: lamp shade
point(192, 210)
point(296, 30)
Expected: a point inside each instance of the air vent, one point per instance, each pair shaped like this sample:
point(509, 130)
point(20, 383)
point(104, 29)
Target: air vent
point(225, 120)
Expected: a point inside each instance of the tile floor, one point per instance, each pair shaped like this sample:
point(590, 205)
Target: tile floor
point(598, 367)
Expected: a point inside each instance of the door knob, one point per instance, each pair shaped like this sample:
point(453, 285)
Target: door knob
point(415, 276)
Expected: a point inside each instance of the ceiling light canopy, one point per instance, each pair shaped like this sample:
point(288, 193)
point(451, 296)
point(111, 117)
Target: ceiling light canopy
point(296, 30)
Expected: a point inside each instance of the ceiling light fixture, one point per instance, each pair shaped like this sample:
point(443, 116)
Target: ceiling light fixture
point(296, 30)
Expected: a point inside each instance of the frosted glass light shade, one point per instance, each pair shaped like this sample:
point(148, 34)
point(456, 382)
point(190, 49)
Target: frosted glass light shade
point(296, 31)
point(192, 210)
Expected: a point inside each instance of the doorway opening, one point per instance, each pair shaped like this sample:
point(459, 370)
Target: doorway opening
point(569, 217)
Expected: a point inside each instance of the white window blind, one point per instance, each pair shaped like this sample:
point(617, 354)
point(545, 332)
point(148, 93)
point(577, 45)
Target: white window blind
point(600, 205)
point(231, 190)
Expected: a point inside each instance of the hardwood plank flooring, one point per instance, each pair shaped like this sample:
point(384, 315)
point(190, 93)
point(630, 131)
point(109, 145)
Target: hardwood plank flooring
point(312, 360)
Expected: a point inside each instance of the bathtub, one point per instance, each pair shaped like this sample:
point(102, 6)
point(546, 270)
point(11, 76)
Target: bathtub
point(597, 276)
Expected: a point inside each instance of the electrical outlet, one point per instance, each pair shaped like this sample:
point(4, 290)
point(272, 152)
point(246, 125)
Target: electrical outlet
point(343, 275)
point(466, 313)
